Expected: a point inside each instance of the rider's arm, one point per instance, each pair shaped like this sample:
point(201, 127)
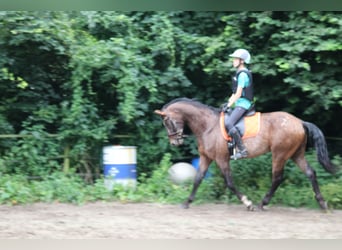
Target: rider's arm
point(235, 96)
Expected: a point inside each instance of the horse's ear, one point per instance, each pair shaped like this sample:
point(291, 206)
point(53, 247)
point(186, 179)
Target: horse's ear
point(158, 112)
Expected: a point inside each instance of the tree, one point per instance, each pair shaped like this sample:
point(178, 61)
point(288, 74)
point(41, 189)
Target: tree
point(90, 76)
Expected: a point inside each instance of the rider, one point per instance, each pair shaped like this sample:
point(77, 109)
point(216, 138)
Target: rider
point(242, 97)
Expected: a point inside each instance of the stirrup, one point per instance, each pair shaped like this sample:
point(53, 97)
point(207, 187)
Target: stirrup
point(239, 155)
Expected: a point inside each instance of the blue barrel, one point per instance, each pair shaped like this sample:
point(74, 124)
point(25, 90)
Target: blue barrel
point(195, 163)
point(119, 166)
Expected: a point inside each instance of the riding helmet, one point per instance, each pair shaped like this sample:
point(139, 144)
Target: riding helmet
point(242, 54)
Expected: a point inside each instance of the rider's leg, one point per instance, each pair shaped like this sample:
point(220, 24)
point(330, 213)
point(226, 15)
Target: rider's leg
point(241, 147)
point(230, 122)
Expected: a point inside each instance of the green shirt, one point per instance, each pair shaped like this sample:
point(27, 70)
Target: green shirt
point(243, 82)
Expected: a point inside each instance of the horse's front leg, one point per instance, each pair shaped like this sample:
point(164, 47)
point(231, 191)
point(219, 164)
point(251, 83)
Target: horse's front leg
point(225, 169)
point(203, 168)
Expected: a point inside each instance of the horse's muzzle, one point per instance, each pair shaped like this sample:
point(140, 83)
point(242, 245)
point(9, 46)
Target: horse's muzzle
point(177, 138)
point(176, 141)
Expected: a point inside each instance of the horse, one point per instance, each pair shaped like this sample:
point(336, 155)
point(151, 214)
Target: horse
point(280, 133)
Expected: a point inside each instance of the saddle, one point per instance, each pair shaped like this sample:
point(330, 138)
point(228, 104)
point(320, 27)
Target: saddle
point(248, 126)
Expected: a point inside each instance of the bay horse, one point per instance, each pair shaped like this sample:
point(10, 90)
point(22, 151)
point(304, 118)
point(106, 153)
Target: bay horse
point(283, 134)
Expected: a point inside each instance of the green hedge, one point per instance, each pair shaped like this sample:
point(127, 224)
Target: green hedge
point(252, 177)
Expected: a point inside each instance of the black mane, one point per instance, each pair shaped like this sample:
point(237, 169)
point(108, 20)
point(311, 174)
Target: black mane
point(192, 102)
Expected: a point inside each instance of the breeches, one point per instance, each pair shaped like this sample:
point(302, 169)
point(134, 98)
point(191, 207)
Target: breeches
point(234, 117)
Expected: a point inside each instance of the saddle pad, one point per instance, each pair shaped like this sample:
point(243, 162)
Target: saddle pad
point(251, 124)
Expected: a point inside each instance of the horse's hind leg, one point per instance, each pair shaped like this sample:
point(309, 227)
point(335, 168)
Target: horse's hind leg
point(311, 174)
point(277, 179)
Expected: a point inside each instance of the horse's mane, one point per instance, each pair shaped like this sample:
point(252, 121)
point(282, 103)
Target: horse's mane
point(192, 102)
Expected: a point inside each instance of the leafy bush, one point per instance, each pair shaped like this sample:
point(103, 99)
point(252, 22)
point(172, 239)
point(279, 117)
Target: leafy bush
point(15, 190)
point(252, 177)
point(36, 154)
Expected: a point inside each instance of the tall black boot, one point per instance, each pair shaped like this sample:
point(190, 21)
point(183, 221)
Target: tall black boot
point(242, 151)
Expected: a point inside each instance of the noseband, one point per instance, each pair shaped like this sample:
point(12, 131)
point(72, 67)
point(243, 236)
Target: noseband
point(172, 129)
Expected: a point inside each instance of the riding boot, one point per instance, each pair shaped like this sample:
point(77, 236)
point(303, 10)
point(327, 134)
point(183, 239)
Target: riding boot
point(242, 151)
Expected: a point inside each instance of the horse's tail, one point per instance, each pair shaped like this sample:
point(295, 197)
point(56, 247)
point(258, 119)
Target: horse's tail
point(316, 137)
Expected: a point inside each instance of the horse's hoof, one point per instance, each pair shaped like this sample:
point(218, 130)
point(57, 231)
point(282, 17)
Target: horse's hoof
point(261, 208)
point(250, 208)
point(248, 203)
point(324, 206)
point(185, 206)
point(327, 210)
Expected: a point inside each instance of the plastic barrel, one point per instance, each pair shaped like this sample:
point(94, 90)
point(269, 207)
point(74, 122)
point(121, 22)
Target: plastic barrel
point(195, 163)
point(119, 166)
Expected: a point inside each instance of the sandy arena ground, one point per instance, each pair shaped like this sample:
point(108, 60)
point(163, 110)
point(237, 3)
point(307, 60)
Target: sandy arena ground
point(116, 220)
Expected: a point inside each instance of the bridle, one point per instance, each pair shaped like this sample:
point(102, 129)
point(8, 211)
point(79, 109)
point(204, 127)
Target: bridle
point(174, 132)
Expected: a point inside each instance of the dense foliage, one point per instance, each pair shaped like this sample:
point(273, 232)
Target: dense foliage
point(72, 82)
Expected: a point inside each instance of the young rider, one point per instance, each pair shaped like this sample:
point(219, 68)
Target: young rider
point(241, 97)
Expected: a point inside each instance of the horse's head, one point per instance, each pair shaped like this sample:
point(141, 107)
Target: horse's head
point(174, 125)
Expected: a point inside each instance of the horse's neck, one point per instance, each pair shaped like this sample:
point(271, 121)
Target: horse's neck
point(199, 120)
